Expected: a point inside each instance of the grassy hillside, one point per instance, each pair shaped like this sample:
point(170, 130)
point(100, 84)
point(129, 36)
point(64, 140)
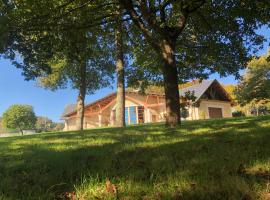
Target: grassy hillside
point(221, 159)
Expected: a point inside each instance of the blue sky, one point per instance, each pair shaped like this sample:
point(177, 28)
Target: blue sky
point(15, 90)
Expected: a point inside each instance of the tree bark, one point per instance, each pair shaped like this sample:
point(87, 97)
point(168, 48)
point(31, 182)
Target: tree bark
point(120, 73)
point(81, 98)
point(170, 76)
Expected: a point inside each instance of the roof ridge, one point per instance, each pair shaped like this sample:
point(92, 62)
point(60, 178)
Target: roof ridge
point(203, 81)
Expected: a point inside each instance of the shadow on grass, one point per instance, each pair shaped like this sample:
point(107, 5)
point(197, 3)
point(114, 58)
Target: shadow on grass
point(159, 163)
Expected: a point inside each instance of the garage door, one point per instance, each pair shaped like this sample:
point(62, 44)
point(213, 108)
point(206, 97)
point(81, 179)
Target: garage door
point(215, 113)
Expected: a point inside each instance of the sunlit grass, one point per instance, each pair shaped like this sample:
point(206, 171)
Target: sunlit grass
point(211, 159)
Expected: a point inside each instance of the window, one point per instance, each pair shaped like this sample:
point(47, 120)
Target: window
point(133, 115)
point(126, 115)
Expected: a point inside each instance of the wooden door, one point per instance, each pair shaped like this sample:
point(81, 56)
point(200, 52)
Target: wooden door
point(215, 113)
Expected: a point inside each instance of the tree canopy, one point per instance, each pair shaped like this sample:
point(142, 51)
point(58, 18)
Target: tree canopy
point(255, 84)
point(20, 117)
point(58, 55)
point(172, 41)
point(193, 39)
point(82, 61)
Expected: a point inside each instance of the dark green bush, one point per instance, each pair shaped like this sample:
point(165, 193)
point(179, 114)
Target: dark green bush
point(238, 113)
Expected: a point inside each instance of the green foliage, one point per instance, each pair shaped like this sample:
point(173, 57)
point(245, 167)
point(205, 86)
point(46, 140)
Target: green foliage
point(57, 78)
point(238, 113)
point(259, 109)
point(204, 160)
point(20, 117)
point(50, 36)
point(55, 54)
point(171, 40)
point(213, 39)
point(254, 108)
point(184, 112)
point(44, 124)
point(230, 89)
point(67, 64)
point(255, 84)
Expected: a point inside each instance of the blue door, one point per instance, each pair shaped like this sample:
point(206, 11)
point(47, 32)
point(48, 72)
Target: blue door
point(133, 115)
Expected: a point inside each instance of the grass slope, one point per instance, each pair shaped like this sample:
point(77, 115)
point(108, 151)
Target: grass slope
point(215, 159)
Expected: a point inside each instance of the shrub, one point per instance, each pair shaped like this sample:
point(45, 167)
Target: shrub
point(238, 113)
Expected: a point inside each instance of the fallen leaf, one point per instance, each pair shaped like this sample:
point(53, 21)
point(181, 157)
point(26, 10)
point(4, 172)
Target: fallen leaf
point(111, 188)
point(71, 195)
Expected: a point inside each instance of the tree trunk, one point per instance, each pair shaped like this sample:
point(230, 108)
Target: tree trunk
point(170, 76)
point(81, 97)
point(21, 131)
point(120, 72)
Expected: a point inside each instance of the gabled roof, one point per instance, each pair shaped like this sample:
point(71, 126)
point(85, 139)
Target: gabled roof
point(198, 89)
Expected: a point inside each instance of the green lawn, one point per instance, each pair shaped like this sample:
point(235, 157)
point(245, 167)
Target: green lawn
point(215, 159)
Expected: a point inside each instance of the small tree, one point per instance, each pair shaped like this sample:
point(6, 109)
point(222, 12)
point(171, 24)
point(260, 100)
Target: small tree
point(44, 124)
point(20, 117)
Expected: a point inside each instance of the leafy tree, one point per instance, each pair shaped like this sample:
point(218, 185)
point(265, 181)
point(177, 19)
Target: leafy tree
point(230, 88)
point(83, 63)
point(194, 38)
point(57, 54)
point(58, 127)
point(255, 84)
point(61, 36)
point(44, 124)
point(0, 123)
point(20, 117)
